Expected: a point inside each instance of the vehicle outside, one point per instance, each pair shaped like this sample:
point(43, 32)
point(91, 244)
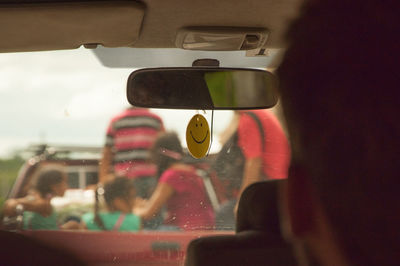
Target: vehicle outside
point(56, 106)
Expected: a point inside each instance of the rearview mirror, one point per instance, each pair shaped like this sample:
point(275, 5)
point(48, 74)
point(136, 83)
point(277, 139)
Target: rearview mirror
point(202, 88)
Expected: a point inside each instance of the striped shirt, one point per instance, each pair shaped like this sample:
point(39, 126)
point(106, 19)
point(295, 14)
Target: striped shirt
point(131, 135)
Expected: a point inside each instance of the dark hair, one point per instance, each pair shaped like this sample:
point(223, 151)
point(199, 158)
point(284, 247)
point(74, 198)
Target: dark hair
point(46, 180)
point(120, 187)
point(340, 94)
point(166, 150)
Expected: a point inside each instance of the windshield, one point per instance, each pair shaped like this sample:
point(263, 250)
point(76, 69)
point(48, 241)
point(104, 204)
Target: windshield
point(69, 137)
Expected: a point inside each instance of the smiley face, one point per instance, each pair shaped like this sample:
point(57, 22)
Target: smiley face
point(198, 136)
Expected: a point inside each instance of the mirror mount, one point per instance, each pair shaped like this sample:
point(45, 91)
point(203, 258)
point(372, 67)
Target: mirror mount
point(205, 62)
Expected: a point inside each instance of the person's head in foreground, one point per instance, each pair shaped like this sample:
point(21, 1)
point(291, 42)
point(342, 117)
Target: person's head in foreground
point(119, 195)
point(50, 183)
point(340, 90)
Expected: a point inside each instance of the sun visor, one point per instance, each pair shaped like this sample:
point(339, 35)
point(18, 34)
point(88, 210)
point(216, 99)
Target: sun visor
point(53, 26)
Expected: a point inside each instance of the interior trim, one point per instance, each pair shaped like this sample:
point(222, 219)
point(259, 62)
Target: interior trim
point(68, 25)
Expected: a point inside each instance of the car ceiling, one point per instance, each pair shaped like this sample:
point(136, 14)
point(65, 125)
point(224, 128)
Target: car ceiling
point(53, 25)
point(164, 18)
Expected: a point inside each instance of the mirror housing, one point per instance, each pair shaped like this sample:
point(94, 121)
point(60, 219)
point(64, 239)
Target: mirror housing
point(202, 88)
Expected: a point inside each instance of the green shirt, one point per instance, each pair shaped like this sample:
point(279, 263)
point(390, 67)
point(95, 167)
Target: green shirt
point(131, 221)
point(35, 221)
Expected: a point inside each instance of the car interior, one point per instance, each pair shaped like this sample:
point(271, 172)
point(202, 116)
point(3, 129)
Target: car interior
point(159, 37)
point(50, 25)
point(258, 239)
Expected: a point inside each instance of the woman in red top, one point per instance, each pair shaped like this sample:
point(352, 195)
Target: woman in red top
point(179, 188)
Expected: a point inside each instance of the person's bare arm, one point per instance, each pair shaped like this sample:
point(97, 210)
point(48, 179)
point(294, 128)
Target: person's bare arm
point(140, 202)
point(72, 225)
point(160, 196)
point(37, 204)
point(83, 225)
point(105, 164)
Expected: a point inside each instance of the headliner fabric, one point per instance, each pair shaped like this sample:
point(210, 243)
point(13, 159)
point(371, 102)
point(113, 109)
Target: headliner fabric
point(160, 28)
point(68, 25)
point(34, 25)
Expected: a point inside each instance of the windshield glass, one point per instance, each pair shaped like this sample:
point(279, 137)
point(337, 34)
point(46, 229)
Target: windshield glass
point(70, 140)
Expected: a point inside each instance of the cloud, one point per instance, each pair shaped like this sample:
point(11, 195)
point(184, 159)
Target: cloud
point(59, 97)
point(95, 103)
point(68, 97)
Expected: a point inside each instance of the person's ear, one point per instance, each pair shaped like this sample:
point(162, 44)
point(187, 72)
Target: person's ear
point(298, 206)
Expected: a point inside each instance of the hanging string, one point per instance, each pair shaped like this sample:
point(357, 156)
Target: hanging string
point(212, 124)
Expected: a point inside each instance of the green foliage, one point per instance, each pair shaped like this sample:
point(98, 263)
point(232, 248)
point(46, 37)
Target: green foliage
point(8, 173)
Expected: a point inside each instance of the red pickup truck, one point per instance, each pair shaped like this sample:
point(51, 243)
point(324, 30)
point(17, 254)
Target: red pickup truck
point(140, 248)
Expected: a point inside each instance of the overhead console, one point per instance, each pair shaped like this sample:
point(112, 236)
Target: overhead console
point(221, 38)
point(68, 25)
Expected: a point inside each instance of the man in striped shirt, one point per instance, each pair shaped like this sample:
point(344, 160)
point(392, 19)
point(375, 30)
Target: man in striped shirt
point(130, 136)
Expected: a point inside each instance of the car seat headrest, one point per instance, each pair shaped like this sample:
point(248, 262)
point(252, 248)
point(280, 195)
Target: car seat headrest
point(258, 208)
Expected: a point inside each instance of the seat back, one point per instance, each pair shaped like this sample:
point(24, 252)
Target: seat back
point(258, 239)
point(258, 208)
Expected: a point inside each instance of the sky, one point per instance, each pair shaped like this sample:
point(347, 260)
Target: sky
point(67, 98)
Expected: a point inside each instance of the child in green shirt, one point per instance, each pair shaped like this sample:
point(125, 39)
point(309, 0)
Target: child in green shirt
point(36, 208)
point(119, 196)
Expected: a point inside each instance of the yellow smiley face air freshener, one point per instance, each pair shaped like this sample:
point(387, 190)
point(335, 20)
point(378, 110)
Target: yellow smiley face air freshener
point(198, 136)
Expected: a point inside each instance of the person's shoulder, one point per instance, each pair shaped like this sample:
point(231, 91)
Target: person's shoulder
point(147, 112)
point(140, 112)
point(178, 173)
point(247, 119)
point(28, 214)
point(260, 113)
point(36, 215)
point(132, 222)
point(180, 169)
point(106, 216)
point(88, 220)
point(133, 217)
point(87, 217)
point(167, 174)
point(119, 116)
point(266, 117)
point(174, 172)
